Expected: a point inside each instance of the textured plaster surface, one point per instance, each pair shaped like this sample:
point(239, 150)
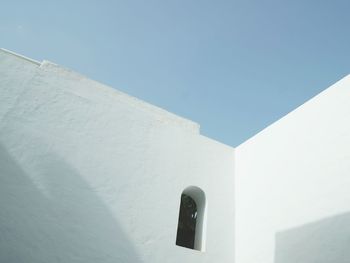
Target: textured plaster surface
point(89, 174)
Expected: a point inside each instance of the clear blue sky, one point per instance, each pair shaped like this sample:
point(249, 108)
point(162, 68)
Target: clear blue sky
point(232, 66)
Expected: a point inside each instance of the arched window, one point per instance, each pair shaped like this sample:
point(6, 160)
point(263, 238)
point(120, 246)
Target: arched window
point(191, 225)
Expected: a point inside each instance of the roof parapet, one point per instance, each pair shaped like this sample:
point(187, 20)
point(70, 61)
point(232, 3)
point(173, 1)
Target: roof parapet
point(21, 56)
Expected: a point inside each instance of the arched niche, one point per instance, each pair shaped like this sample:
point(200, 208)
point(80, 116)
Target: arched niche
point(192, 215)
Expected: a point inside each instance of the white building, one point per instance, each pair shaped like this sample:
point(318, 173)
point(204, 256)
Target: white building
point(89, 174)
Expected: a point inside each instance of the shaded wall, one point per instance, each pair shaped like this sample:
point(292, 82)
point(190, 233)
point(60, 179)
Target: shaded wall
point(323, 241)
point(90, 174)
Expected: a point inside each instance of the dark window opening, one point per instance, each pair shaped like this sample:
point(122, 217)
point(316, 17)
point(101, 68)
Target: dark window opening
point(186, 230)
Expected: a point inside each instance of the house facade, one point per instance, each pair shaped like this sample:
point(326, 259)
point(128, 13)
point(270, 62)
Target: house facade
point(90, 174)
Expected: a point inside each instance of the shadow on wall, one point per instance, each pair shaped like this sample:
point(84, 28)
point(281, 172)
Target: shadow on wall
point(70, 224)
point(324, 241)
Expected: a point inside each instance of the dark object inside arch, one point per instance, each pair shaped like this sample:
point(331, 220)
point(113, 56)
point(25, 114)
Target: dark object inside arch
point(186, 230)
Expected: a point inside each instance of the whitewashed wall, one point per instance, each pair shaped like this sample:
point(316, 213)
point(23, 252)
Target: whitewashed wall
point(88, 174)
point(293, 185)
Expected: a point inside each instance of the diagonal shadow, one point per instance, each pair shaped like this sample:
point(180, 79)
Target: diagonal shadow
point(323, 241)
point(71, 225)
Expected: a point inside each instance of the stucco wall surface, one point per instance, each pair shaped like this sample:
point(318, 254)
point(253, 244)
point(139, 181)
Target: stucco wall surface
point(89, 174)
point(292, 185)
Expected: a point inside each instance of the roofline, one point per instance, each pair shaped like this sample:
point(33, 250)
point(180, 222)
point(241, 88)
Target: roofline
point(21, 56)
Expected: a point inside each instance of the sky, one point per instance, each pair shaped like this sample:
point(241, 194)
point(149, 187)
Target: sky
point(234, 67)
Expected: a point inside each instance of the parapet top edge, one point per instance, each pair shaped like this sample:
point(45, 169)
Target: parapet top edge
point(111, 92)
point(21, 56)
point(47, 64)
